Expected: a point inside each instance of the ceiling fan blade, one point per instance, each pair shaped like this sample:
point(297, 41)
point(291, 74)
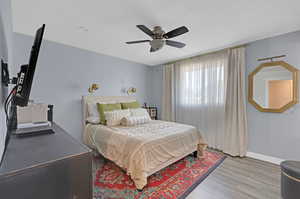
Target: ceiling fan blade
point(174, 33)
point(175, 44)
point(145, 30)
point(136, 42)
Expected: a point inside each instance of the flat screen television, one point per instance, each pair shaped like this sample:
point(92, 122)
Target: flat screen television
point(27, 71)
point(19, 95)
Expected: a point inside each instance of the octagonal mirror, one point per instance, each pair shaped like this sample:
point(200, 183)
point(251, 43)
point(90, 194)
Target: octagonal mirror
point(273, 87)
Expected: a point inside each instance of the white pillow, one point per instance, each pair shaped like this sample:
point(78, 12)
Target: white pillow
point(93, 114)
point(113, 118)
point(135, 120)
point(139, 112)
point(93, 120)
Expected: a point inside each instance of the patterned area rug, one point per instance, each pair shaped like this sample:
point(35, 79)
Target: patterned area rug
point(175, 181)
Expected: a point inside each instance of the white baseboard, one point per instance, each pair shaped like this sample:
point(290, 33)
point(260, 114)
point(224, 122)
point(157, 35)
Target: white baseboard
point(266, 158)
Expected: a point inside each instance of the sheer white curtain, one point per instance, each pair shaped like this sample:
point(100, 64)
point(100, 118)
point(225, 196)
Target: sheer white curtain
point(200, 95)
point(209, 92)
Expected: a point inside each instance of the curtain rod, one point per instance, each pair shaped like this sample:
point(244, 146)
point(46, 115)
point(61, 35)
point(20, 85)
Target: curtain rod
point(172, 62)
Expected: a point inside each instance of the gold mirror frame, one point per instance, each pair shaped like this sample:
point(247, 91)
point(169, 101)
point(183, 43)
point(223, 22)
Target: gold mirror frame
point(295, 86)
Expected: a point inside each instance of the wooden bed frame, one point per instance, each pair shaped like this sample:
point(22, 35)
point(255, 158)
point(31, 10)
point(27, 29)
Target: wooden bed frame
point(118, 99)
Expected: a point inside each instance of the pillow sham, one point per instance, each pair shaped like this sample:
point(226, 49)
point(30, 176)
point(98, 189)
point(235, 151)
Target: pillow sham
point(135, 120)
point(130, 105)
point(92, 110)
point(138, 112)
point(107, 107)
point(113, 118)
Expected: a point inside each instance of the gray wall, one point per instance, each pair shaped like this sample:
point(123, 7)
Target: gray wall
point(6, 54)
point(274, 134)
point(6, 16)
point(64, 74)
point(271, 134)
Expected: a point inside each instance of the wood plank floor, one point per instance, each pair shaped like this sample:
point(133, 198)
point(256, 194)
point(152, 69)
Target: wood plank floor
point(240, 178)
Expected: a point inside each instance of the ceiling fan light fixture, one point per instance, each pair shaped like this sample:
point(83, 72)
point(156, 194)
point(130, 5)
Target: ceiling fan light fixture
point(159, 37)
point(157, 44)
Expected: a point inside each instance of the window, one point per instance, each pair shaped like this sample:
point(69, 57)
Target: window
point(202, 83)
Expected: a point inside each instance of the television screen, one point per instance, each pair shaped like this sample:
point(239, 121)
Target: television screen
point(27, 71)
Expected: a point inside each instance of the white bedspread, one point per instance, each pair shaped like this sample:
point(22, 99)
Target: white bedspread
point(142, 148)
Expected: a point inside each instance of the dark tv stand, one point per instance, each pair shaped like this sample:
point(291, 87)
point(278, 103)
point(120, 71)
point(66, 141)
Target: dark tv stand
point(50, 166)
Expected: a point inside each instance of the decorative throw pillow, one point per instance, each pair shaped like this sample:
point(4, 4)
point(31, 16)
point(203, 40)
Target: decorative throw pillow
point(135, 120)
point(113, 118)
point(138, 112)
point(107, 107)
point(130, 105)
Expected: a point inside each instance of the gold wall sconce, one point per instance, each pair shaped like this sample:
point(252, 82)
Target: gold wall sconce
point(93, 88)
point(131, 91)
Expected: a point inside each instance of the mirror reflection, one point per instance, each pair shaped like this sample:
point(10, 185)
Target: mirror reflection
point(273, 87)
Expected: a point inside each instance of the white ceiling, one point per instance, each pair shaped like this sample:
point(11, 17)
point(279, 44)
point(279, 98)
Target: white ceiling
point(105, 25)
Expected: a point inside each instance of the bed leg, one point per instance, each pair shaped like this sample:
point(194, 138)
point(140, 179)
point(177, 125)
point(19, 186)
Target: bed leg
point(195, 153)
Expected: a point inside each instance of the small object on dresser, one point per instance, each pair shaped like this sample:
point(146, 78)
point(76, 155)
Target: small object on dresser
point(35, 126)
point(32, 113)
point(152, 110)
point(33, 132)
point(33, 129)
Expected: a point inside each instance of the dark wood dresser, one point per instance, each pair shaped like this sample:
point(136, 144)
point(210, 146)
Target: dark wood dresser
point(50, 166)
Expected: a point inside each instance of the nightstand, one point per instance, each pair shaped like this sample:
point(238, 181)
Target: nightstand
point(152, 110)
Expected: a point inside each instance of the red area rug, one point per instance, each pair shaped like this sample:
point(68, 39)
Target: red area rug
point(175, 181)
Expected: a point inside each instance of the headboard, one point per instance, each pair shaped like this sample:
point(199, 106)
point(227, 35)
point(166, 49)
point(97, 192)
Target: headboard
point(103, 99)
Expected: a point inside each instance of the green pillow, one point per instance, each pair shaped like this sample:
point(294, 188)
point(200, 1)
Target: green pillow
point(130, 105)
point(107, 107)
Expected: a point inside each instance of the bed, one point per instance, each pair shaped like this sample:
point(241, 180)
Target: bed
point(143, 149)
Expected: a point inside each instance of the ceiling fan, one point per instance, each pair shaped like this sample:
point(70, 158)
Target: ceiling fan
point(160, 38)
